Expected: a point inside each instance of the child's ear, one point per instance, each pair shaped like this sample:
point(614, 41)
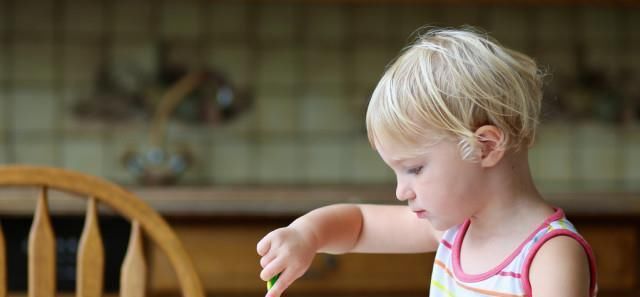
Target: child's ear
point(491, 140)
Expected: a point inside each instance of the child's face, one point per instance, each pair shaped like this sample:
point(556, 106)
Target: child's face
point(437, 185)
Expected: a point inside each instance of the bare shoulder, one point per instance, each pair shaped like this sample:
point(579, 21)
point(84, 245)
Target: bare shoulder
point(560, 268)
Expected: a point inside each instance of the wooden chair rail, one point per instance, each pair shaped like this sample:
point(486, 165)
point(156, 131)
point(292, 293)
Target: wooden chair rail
point(90, 252)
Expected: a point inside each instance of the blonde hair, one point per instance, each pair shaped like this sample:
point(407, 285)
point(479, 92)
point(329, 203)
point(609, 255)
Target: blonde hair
point(455, 81)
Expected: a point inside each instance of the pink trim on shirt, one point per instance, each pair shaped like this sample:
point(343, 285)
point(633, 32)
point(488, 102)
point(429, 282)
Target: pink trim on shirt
point(526, 284)
point(446, 244)
point(511, 274)
point(457, 246)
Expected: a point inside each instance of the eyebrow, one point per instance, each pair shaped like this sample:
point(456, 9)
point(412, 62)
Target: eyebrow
point(400, 160)
point(409, 156)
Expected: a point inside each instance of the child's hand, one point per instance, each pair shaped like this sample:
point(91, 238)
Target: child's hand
point(287, 251)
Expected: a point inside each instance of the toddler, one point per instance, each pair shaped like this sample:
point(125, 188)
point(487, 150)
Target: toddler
point(453, 116)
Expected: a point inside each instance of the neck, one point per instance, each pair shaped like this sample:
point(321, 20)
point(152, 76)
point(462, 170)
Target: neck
point(511, 197)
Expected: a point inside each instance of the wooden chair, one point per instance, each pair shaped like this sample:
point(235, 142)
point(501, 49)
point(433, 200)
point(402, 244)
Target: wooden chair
point(90, 259)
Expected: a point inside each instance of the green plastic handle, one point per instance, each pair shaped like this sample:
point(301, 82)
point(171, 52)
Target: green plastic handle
point(272, 281)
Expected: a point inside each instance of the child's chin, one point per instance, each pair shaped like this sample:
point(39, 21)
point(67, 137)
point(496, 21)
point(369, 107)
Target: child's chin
point(441, 226)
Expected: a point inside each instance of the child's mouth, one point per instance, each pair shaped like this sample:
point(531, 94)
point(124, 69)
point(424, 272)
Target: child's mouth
point(421, 213)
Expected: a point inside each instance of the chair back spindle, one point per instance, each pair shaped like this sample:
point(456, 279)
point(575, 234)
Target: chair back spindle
point(90, 258)
point(42, 252)
point(134, 269)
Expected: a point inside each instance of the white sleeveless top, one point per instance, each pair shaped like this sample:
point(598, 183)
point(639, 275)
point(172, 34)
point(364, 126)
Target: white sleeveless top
point(511, 277)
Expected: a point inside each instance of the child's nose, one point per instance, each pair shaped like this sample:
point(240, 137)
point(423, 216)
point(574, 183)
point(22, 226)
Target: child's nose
point(404, 192)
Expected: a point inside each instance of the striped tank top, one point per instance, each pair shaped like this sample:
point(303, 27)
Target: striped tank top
point(511, 277)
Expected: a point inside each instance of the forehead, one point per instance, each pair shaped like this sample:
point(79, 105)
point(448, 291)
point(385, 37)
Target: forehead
point(395, 152)
point(400, 144)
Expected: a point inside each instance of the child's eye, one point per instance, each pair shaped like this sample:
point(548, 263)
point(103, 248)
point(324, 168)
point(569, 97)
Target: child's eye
point(415, 170)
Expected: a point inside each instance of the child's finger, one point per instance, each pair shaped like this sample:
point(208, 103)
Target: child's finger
point(266, 259)
point(263, 246)
point(271, 269)
point(284, 281)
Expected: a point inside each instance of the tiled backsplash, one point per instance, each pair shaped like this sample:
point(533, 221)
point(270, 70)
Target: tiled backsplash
point(310, 67)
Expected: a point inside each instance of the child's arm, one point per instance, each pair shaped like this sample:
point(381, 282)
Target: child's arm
point(560, 268)
point(340, 229)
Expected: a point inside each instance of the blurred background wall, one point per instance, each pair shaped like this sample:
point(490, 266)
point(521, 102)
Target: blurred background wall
point(80, 82)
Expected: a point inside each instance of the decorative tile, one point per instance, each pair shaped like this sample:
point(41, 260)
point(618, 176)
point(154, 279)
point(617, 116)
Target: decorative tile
point(276, 111)
point(197, 142)
point(367, 166)
point(277, 22)
point(326, 111)
point(5, 113)
point(324, 65)
point(604, 58)
point(81, 62)
point(326, 24)
point(180, 19)
point(3, 154)
point(4, 13)
point(554, 25)
point(457, 16)
point(36, 150)
point(132, 63)
point(40, 104)
point(596, 135)
point(631, 156)
point(34, 17)
point(409, 20)
point(186, 53)
point(552, 157)
point(242, 124)
point(326, 160)
point(598, 152)
point(278, 66)
point(631, 135)
point(600, 24)
point(437, 15)
point(629, 58)
point(307, 76)
point(452, 16)
point(72, 93)
point(233, 60)
point(229, 19)
point(507, 24)
point(551, 135)
point(279, 161)
point(358, 101)
point(631, 164)
point(597, 163)
point(372, 21)
point(117, 143)
point(551, 164)
point(370, 63)
point(557, 61)
point(631, 17)
point(4, 62)
point(83, 18)
point(233, 161)
point(33, 61)
point(84, 154)
point(132, 18)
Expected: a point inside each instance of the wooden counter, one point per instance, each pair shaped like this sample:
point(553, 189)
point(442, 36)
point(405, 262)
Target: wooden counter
point(291, 201)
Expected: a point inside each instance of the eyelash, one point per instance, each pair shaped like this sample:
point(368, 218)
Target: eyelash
point(415, 170)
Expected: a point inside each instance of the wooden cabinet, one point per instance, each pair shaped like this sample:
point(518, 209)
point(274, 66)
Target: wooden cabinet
point(224, 252)
point(227, 261)
point(616, 250)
